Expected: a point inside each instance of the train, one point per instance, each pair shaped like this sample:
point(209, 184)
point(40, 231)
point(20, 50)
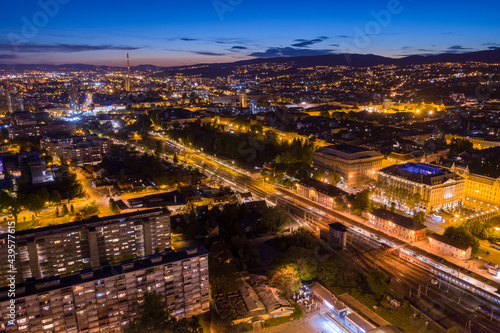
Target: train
point(487, 312)
point(430, 266)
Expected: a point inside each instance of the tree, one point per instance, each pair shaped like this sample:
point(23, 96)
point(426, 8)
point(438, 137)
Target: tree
point(44, 195)
point(286, 278)
point(64, 210)
point(176, 159)
point(154, 317)
point(113, 206)
point(308, 268)
point(273, 219)
point(34, 203)
point(55, 197)
point(419, 219)
point(377, 282)
point(57, 212)
point(458, 146)
point(463, 235)
point(452, 329)
point(72, 208)
point(327, 273)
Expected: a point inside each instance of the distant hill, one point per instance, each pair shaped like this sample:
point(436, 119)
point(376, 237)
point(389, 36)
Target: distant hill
point(223, 69)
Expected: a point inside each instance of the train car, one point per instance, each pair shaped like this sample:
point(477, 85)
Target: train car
point(487, 312)
point(432, 267)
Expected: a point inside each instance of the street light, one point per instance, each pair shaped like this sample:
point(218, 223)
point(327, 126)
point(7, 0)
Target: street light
point(349, 205)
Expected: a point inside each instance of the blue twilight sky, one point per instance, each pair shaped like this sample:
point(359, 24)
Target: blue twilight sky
point(197, 31)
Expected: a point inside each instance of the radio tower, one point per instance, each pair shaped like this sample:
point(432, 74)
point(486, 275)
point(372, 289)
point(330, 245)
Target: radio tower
point(127, 78)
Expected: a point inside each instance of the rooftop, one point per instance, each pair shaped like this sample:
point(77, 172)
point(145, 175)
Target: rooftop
point(421, 173)
point(401, 220)
point(56, 282)
point(450, 241)
point(321, 187)
point(348, 152)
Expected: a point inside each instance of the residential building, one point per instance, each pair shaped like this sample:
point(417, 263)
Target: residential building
point(450, 246)
point(353, 163)
point(319, 192)
point(20, 131)
point(107, 298)
point(69, 247)
point(438, 188)
point(396, 224)
point(79, 149)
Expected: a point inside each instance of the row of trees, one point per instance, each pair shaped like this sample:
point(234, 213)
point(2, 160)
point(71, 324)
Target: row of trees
point(34, 202)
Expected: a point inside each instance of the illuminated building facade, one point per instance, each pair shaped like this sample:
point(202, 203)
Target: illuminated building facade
point(319, 192)
point(396, 224)
point(79, 149)
point(354, 164)
point(479, 189)
point(107, 298)
point(450, 246)
point(70, 247)
point(438, 188)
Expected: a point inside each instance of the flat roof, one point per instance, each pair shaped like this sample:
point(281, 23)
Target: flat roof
point(421, 173)
point(324, 294)
point(348, 152)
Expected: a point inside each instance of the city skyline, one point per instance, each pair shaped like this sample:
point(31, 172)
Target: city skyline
point(56, 32)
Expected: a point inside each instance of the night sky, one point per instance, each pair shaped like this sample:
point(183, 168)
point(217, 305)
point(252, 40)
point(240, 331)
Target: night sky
point(194, 31)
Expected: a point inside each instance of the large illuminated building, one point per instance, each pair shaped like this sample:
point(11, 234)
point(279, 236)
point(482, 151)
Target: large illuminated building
point(106, 298)
point(439, 188)
point(479, 190)
point(353, 163)
point(70, 247)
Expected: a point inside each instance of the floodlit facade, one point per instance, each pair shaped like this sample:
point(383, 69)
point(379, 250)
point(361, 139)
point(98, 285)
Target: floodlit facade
point(450, 246)
point(438, 188)
point(80, 149)
point(106, 299)
point(70, 247)
point(396, 224)
point(353, 163)
point(479, 189)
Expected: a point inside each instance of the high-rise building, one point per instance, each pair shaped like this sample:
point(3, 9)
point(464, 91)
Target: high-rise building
point(107, 298)
point(127, 78)
point(66, 248)
point(243, 98)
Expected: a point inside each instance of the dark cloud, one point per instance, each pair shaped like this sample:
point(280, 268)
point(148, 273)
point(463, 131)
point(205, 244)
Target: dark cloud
point(342, 36)
point(207, 53)
point(492, 44)
point(65, 48)
point(493, 47)
point(239, 48)
point(336, 45)
point(452, 33)
point(274, 52)
point(458, 48)
point(188, 39)
point(308, 42)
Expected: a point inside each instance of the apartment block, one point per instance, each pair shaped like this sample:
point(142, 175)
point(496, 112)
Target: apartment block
point(79, 149)
point(107, 298)
point(70, 247)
